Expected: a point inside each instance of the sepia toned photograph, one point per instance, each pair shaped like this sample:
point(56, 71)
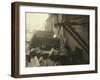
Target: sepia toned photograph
point(53, 39)
point(56, 39)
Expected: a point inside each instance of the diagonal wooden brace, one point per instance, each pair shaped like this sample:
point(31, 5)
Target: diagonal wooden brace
point(75, 35)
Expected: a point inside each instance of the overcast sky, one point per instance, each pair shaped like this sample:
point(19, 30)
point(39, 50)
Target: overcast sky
point(35, 21)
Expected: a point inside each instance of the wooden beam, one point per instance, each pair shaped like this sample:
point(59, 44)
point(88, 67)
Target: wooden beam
point(75, 35)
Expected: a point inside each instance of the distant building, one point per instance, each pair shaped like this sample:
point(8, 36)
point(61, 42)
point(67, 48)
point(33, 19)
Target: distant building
point(44, 40)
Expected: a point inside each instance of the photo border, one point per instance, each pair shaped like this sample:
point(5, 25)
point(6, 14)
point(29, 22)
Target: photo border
point(15, 32)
